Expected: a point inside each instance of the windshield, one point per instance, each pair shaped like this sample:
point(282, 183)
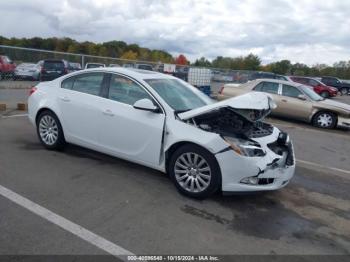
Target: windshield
point(178, 95)
point(311, 93)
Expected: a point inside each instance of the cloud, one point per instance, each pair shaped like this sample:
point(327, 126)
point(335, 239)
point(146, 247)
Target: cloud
point(299, 30)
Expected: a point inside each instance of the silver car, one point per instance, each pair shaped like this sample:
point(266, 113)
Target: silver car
point(28, 71)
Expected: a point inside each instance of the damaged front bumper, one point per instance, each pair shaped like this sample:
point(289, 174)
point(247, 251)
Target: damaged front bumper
point(270, 172)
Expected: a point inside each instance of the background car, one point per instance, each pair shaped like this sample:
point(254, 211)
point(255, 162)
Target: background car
point(7, 67)
point(144, 67)
point(94, 65)
point(319, 87)
point(295, 101)
point(28, 71)
point(51, 69)
point(343, 87)
point(129, 65)
point(72, 67)
point(164, 123)
point(265, 75)
point(114, 65)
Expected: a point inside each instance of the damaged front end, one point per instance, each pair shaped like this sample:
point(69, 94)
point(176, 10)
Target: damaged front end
point(262, 152)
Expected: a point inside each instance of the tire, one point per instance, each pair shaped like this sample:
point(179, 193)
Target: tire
point(324, 119)
point(199, 179)
point(325, 94)
point(343, 91)
point(50, 131)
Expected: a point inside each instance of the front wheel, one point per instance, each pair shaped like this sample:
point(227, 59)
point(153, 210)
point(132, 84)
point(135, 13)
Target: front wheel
point(325, 120)
point(343, 91)
point(194, 171)
point(50, 131)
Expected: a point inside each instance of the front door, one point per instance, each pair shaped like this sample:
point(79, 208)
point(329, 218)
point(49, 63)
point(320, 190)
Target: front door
point(291, 105)
point(128, 132)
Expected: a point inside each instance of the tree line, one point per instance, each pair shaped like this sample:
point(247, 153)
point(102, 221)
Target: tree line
point(115, 49)
point(120, 49)
point(339, 69)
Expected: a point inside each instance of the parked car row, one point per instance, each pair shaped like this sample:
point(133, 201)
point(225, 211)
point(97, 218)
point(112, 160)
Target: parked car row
point(295, 100)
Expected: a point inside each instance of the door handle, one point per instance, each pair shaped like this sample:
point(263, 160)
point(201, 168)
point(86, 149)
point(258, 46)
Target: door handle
point(108, 112)
point(65, 99)
point(284, 100)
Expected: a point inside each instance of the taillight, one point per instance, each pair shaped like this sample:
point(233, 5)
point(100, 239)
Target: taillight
point(32, 90)
point(221, 90)
point(42, 70)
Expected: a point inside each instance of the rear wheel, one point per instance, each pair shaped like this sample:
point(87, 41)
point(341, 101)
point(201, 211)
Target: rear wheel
point(194, 171)
point(50, 131)
point(325, 120)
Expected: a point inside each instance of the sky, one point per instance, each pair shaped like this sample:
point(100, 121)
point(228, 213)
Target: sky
point(305, 31)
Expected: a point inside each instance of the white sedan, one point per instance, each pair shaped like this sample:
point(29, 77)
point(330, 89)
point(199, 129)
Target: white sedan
point(164, 123)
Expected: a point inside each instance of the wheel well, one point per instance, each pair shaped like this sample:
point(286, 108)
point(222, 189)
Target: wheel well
point(42, 110)
point(46, 109)
point(177, 145)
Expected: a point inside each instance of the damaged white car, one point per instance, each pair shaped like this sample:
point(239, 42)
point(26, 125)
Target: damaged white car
point(164, 123)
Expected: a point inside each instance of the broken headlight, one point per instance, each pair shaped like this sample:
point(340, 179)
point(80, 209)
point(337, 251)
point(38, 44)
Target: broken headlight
point(244, 147)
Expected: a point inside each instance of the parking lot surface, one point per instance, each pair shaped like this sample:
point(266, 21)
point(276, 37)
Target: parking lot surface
point(140, 210)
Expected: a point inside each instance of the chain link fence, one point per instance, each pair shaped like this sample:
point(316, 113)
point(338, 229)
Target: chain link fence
point(23, 67)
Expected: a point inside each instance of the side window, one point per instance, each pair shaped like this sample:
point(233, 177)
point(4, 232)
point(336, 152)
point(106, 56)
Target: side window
point(312, 82)
point(67, 83)
point(259, 87)
point(88, 83)
point(270, 87)
point(126, 91)
point(290, 91)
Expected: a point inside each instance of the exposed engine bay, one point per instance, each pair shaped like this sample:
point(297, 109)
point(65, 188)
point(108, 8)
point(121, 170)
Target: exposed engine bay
point(240, 123)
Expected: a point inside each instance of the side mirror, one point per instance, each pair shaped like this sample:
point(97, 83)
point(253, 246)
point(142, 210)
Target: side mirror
point(302, 97)
point(146, 105)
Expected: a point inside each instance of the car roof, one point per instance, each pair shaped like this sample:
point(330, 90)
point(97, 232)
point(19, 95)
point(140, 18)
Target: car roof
point(277, 81)
point(132, 72)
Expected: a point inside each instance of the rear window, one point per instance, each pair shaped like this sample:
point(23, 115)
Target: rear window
point(53, 65)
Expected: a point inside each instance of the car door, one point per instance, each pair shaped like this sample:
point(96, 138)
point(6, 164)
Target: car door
point(294, 104)
point(127, 132)
point(80, 104)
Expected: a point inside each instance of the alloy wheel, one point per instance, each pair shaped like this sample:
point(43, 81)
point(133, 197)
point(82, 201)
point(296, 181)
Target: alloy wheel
point(192, 172)
point(48, 130)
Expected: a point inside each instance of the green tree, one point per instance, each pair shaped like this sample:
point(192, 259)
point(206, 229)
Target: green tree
point(202, 62)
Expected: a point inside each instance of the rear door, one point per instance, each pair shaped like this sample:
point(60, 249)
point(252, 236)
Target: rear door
point(128, 132)
point(81, 106)
point(292, 106)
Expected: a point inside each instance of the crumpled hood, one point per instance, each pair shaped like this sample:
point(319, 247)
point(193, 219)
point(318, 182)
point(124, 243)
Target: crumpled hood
point(332, 103)
point(253, 100)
